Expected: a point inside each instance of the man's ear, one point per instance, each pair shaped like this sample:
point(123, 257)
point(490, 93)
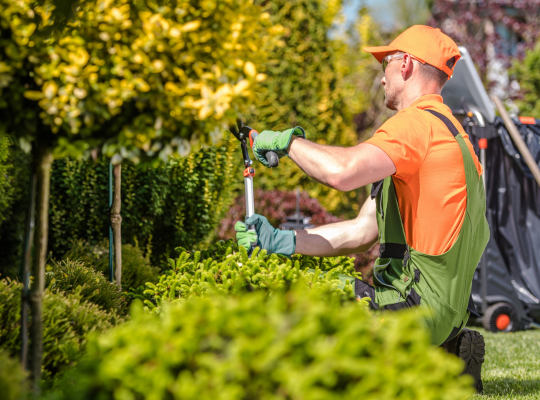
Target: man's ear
point(407, 66)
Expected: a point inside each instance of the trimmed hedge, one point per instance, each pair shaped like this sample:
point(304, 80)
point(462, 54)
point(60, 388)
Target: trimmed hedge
point(67, 321)
point(291, 345)
point(176, 204)
point(230, 271)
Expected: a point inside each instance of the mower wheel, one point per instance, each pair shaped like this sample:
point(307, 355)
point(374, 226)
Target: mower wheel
point(500, 317)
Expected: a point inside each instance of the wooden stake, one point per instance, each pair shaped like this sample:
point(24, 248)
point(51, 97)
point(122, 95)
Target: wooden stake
point(116, 224)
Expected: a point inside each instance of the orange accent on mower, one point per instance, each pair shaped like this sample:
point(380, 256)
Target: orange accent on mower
point(502, 322)
point(527, 120)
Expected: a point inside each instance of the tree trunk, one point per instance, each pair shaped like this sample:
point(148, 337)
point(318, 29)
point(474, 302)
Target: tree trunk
point(116, 223)
point(25, 273)
point(42, 163)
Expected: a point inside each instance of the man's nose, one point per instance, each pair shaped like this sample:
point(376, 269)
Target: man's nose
point(383, 80)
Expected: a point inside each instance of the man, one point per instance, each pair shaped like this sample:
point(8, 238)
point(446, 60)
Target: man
point(427, 207)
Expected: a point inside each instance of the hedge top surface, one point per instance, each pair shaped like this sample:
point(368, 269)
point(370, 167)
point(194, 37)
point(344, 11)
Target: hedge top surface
point(226, 268)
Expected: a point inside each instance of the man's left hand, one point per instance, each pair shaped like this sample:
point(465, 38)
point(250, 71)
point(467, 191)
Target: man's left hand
point(265, 235)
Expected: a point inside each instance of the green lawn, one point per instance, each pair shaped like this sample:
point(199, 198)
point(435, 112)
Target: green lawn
point(512, 366)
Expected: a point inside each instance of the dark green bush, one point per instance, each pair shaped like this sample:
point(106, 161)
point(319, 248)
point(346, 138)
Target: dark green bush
point(295, 345)
point(136, 269)
point(74, 277)
point(176, 204)
point(67, 321)
point(230, 272)
point(12, 378)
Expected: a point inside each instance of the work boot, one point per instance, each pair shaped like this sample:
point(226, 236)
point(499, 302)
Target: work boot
point(470, 347)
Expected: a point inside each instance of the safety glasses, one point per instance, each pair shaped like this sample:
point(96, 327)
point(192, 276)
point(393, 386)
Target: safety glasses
point(386, 60)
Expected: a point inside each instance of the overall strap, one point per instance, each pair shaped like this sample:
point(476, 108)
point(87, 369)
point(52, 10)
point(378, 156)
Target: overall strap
point(472, 179)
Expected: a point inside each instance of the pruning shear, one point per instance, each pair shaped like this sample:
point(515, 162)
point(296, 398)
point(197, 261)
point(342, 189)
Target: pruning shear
point(243, 133)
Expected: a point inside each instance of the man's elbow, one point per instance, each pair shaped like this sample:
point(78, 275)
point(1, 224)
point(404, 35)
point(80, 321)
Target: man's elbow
point(336, 181)
point(340, 182)
point(339, 178)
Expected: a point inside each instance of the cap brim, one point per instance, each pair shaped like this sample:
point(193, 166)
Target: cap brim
point(379, 52)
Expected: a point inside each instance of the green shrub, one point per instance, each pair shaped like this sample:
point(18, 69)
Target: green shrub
point(74, 277)
point(295, 345)
point(232, 273)
point(12, 378)
point(67, 321)
point(136, 269)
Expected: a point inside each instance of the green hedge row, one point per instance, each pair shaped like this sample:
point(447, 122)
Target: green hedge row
point(176, 204)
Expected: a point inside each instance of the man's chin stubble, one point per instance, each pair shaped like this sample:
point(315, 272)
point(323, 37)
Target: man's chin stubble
point(390, 104)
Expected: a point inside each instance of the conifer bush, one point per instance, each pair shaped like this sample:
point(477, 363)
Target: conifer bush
point(67, 321)
point(74, 277)
point(175, 204)
point(233, 272)
point(136, 268)
point(292, 345)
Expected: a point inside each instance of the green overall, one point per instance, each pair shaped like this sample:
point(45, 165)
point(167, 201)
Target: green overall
point(404, 276)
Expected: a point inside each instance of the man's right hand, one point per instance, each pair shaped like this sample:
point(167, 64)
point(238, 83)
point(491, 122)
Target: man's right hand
point(275, 141)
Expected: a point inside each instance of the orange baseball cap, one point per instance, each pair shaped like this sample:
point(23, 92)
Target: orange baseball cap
point(427, 44)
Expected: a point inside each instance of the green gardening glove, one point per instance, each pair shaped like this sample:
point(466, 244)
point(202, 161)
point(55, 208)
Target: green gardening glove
point(266, 236)
point(274, 141)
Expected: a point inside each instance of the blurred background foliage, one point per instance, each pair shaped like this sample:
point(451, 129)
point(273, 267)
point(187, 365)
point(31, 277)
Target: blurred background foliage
point(302, 89)
point(314, 78)
point(527, 73)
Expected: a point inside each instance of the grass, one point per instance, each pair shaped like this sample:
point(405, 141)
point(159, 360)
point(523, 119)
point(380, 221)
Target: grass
point(512, 366)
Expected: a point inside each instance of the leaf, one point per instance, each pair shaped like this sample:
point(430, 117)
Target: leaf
point(33, 95)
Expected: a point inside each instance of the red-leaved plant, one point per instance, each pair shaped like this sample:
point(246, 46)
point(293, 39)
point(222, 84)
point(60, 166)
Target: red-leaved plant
point(276, 205)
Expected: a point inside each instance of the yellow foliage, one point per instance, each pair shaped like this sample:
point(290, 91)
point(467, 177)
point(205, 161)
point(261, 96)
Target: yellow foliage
point(134, 63)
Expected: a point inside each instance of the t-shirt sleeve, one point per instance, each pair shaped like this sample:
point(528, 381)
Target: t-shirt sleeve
point(405, 139)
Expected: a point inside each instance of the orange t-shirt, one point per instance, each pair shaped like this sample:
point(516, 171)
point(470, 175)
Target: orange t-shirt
point(430, 175)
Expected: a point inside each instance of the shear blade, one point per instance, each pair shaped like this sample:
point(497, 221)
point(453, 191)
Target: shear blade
point(235, 129)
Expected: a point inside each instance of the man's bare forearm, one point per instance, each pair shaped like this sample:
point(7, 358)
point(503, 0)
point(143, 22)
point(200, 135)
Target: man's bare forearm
point(341, 168)
point(341, 238)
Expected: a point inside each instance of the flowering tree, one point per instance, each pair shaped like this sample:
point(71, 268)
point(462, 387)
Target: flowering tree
point(140, 80)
